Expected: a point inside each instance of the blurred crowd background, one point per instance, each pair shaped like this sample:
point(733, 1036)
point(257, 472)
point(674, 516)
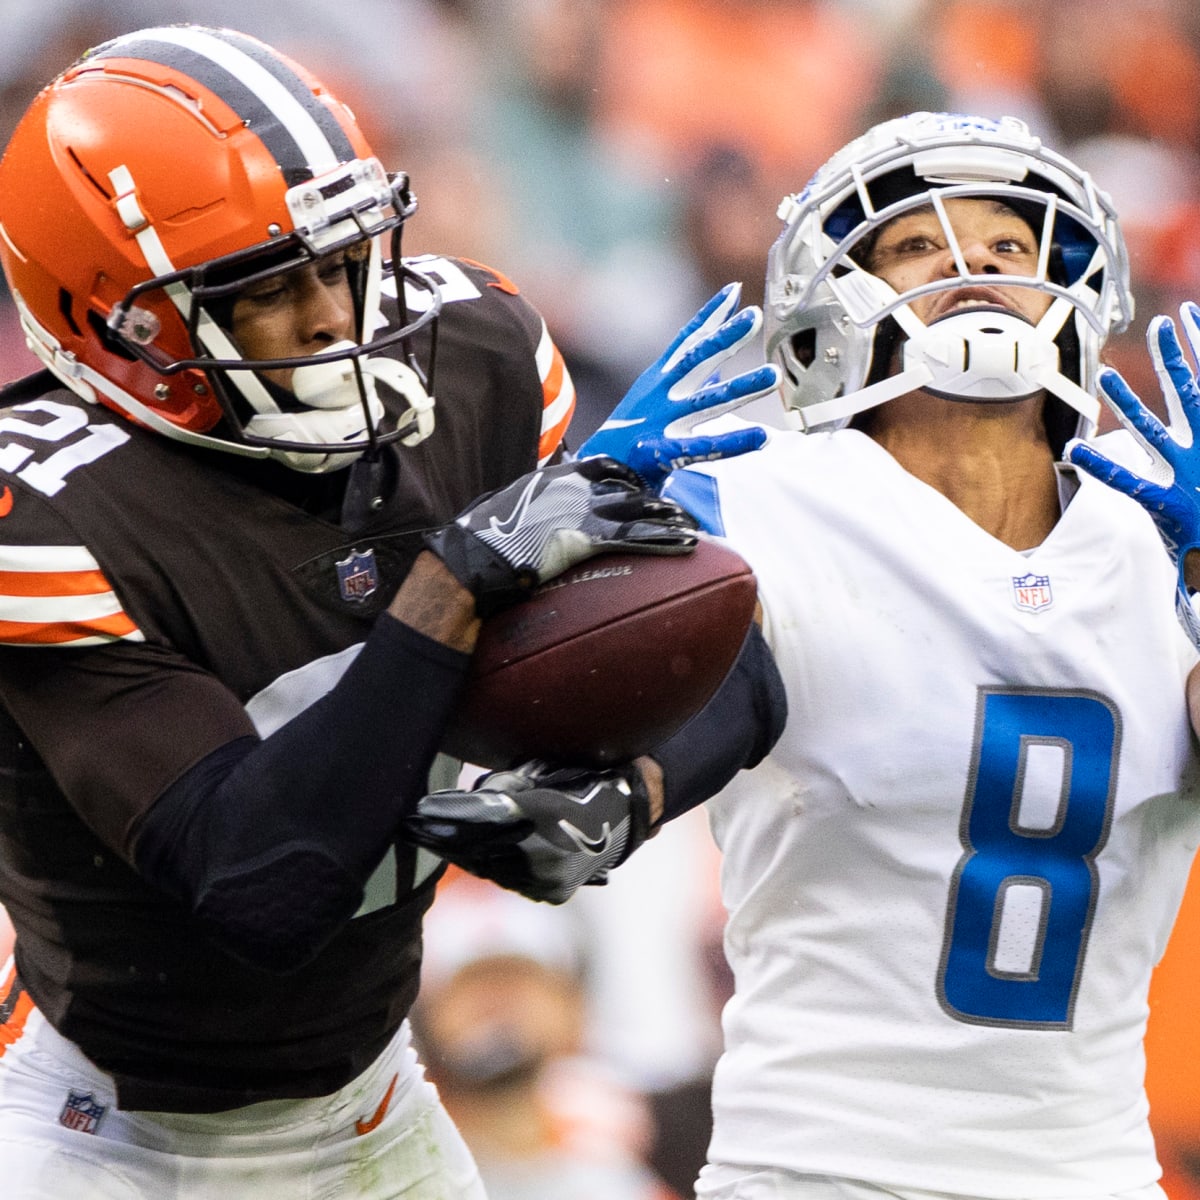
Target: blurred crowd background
point(621, 159)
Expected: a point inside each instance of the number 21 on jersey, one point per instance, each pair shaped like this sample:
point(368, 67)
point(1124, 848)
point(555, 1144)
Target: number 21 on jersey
point(1038, 811)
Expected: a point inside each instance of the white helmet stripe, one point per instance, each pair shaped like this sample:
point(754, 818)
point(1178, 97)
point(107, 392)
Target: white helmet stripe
point(210, 334)
point(250, 85)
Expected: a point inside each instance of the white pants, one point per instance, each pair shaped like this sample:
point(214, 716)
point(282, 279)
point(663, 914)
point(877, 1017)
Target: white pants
point(724, 1182)
point(384, 1136)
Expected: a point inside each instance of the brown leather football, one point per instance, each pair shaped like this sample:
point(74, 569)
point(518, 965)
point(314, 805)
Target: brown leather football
point(603, 663)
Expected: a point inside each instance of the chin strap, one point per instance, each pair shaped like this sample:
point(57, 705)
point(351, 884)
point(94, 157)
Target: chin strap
point(842, 407)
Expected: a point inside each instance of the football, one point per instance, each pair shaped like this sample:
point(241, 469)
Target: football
point(606, 661)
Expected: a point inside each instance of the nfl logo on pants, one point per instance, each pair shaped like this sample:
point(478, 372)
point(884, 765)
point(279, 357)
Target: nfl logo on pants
point(81, 1112)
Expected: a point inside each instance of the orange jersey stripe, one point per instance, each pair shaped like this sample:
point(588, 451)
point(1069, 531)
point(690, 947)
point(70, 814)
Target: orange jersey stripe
point(15, 1006)
point(27, 633)
point(52, 583)
point(558, 404)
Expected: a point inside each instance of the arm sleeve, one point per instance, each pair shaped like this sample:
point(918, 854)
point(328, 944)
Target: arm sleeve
point(270, 842)
point(734, 731)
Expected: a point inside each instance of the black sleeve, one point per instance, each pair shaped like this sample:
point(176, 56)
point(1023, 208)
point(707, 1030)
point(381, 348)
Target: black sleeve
point(734, 731)
point(270, 842)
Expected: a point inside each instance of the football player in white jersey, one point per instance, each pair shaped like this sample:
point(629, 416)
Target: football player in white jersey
point(948, 884)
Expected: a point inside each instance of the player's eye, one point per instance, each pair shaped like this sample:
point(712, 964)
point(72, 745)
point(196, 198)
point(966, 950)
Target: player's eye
point(263, 295)
point(911, 246)
point(332, 270)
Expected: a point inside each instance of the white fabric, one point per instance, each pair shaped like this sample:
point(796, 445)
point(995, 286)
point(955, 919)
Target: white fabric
point(726, 1183)
point(279, 1150)
point(894, 618)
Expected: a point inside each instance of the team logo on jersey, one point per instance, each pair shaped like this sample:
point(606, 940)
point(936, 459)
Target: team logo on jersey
point(1032, 592)
point(358, 576)
point(81, 1112)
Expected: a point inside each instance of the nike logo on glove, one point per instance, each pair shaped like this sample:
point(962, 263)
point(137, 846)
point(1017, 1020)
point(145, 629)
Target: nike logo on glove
point(524, 500)
point(587, 845)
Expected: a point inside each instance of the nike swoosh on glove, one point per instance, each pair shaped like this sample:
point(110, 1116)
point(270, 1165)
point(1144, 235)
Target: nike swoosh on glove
point(651, 430)
point(508, 542)
point(538, 830)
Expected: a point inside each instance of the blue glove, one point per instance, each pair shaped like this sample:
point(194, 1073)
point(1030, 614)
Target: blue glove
point(651, 429)
point(1170, 488)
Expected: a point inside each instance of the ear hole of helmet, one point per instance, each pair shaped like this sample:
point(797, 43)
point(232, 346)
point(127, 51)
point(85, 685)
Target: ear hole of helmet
point(887, 338)
point(804, 346)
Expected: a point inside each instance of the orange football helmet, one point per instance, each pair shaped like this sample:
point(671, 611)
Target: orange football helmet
point(162, 173)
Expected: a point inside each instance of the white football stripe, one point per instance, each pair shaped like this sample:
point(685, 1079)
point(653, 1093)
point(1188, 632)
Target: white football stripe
point(307, 133)
point(46, 558)
point(47, 610)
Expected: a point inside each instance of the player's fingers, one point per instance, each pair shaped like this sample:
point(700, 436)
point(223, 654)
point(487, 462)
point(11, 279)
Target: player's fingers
point(702, 359)
point(1145, 491)
point(719, 445)
point(643, 506)
point(1133, 414)
point(1189, 313)
point(1175, 376)
point(488, 810)
point(712, 314)
point(724, 396)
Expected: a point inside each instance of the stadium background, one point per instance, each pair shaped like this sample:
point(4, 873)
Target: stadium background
point(621, 159)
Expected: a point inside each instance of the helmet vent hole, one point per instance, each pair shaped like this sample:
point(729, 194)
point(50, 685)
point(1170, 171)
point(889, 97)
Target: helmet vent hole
point(64, 307)
point(804, 346)
point(88, 175)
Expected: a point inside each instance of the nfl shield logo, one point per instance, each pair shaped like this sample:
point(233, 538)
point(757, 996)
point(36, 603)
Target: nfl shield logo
point(81, 1112)
point(357, 576)
point(1032, 592)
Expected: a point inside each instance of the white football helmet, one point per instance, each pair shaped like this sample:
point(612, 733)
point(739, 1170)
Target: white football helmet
point(832, 326)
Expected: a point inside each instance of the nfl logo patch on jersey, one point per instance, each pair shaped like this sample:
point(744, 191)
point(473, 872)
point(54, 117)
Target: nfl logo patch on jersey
point(358, 576)
point(81, 1112)
point(1032, 592)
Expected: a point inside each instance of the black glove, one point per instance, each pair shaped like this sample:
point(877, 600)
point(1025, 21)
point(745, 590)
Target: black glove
point(509, 541)
point(538, 830)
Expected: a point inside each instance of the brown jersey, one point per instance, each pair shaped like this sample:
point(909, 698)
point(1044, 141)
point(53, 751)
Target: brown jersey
point(158, 602)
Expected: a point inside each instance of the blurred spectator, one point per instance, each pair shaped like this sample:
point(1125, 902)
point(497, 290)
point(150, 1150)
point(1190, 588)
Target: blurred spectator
point(595, 236)
point(986, 52)
point(501, 1026)
point(786, 81)
point(1154, 187)
point(657, 981)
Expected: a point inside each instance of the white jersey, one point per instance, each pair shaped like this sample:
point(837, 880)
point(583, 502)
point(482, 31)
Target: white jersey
point(948, 884)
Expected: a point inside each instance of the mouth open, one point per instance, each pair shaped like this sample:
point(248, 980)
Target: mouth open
point(974, 303)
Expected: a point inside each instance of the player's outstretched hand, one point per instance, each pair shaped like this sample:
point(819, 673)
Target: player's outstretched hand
point(651, 429)
point(1169, 488)
point(506, 543)
point(538, 830)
